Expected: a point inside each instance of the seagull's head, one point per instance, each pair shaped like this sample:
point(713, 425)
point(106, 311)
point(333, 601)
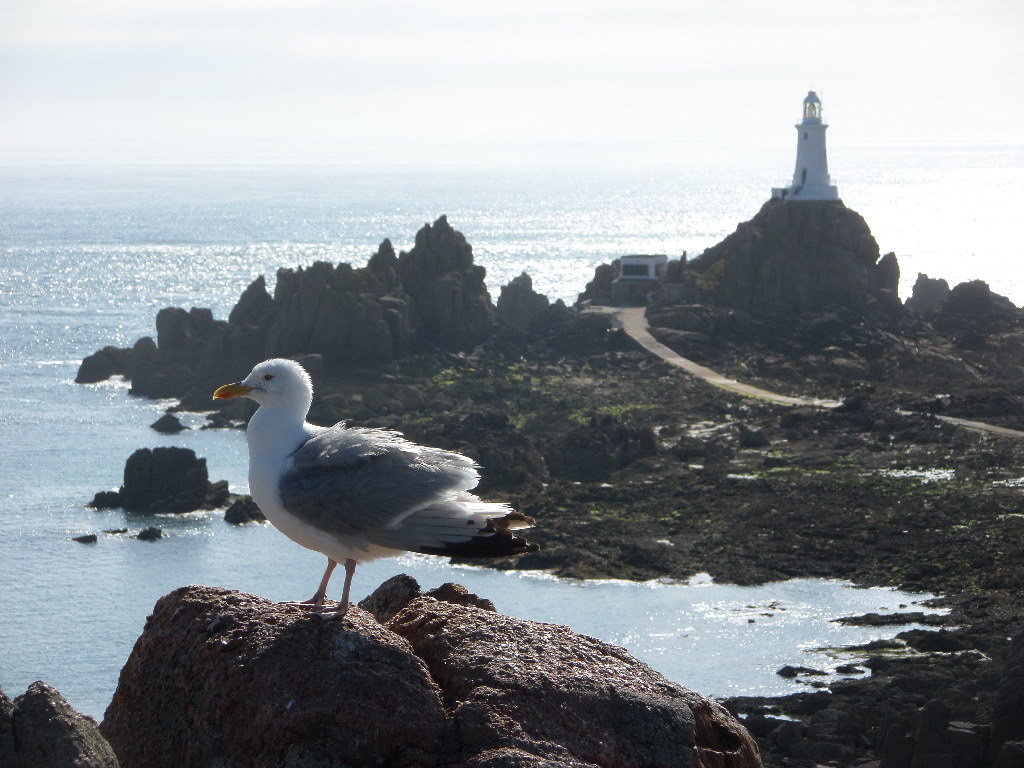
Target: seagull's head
point(274, 383)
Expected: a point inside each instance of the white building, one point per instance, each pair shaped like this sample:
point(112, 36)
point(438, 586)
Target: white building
point(639, 276)
point(810, 179)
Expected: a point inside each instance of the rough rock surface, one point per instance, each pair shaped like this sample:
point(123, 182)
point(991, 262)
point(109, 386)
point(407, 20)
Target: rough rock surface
point(243, 510)
point(432, 297)
point(793, 258)
point(165, 479)
point(547, 691)
point(39, 729)
point(928, 295)
point(101, 365)
point(519, 305)
point(219, 676)
point(973, 307)
point(450, 305)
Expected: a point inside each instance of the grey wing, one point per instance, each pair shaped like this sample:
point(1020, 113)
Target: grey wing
point(353, 481)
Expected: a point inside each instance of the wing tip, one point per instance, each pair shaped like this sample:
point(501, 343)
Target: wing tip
point(496, 539)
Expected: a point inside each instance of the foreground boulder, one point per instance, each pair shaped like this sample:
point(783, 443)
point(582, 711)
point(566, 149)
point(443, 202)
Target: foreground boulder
point(39, 729)
point(220, 678)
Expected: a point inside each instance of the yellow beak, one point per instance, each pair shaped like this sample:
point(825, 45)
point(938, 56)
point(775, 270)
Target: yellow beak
point(238, 389)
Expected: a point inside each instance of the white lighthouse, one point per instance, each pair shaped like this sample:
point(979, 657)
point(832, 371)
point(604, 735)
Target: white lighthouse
point(810, 179)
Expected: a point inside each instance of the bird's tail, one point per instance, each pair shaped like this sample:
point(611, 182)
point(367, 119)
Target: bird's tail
point(466, 527)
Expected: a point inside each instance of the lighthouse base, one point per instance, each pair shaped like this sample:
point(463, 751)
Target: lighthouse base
point(806, 192)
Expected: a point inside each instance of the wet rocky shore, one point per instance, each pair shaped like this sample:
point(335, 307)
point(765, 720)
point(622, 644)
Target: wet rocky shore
point(634, 469)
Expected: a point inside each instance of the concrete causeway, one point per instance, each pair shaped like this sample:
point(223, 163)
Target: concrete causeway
point(633, 322)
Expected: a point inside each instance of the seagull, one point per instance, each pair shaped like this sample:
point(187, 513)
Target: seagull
point(357, 494)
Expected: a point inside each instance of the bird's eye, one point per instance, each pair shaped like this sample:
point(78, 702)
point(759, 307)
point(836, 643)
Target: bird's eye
point(268, 376)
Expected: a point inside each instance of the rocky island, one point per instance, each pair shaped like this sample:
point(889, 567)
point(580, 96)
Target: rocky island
point(636, 470)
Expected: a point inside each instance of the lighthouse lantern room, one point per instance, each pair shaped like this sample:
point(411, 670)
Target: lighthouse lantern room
point(810, 179)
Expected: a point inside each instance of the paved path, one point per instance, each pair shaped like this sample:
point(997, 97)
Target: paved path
point(633, 321)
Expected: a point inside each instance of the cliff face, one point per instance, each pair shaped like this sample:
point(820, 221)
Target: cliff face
point(796, 258)
point(220, 677)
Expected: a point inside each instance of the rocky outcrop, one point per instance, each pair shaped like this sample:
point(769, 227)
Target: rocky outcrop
point(972, 307)
point(243, 510)
point(449, 302)
point(165, 479)
point(221, 677)
point(39, 729)
point(599, 289)
point(970, 310)
point(431, 298)
point(168, 424)
point(799, 258)
point(928, 296)
point(101, 365)
point(519, 304)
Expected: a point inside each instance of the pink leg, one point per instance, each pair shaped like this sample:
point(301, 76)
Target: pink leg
point(350, 569)
point(317, 600)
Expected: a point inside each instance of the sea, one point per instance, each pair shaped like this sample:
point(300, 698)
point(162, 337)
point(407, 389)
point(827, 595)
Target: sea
point(89, 254)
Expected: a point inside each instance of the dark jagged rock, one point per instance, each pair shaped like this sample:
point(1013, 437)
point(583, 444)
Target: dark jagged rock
point(450, 302)
point(599, 289)
point(519, 305)
point(165, 479)
point(972, 308)
point(254, 306)
point(799, 258)
point(150, 534)
point(106, 500)
point(433, 297)
point(243, 510)
point(39, 729)
point(442, 683)
point(101, 365)
point(928, 295)
point(168, 424)
point(332, 311)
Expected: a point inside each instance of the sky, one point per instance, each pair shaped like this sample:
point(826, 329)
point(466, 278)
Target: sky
point(474, 83)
